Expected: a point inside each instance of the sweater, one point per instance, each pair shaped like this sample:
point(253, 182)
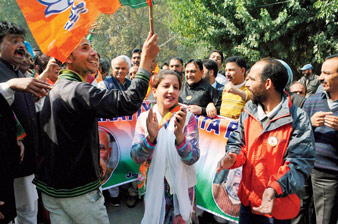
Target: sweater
point(325, 138)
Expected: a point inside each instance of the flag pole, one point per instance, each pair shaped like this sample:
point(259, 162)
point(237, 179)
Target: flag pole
point(151, 20)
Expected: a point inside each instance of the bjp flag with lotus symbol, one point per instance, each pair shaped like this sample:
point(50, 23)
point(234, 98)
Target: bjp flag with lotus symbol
point(58, 26)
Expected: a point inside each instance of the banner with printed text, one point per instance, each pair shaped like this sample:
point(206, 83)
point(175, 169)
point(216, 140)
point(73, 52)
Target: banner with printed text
point(215, 192)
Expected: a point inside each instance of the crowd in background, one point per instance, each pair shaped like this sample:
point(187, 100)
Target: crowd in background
point(212, 86)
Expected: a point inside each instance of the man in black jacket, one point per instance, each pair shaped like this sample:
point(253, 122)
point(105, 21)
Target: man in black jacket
point(10, 152)
point(69, 175)
point(12, 52)
point(200, 96)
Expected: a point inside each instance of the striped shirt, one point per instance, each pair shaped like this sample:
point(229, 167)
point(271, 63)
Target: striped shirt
point(232, 105)
point(325, 137)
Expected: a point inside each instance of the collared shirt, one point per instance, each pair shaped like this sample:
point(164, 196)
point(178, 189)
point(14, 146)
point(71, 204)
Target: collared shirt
point(262, 115)
point(218, 86)
point(221, 79)
point(214, 84)
point(240, 85)
point(333, 105)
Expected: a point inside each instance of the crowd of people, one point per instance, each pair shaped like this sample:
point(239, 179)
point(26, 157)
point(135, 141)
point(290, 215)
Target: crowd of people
point(53, 150)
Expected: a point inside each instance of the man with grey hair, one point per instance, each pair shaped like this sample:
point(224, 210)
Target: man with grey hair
point(120, 66)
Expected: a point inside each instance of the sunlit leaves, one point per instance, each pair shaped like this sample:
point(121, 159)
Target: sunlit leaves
point(298, 31)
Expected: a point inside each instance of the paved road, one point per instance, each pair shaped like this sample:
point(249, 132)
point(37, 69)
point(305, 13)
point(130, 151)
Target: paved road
point(125, 215)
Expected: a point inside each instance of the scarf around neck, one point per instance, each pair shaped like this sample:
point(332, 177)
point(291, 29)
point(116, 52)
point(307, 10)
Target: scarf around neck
point(70, 75)
point(166, 163)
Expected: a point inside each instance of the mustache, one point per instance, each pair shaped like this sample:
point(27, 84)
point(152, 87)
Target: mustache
point(20, 51)
point(322, 82)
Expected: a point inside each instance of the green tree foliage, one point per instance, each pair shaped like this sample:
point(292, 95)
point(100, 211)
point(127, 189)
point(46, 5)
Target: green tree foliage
point(118, 33)
point(128, 28)
point(297, 31)
point(10, 11)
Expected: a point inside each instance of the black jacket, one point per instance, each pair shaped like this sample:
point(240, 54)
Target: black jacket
point(69, 123)
point(24, 109)
point(200, 94)
point(9, 160)
point(297, 99)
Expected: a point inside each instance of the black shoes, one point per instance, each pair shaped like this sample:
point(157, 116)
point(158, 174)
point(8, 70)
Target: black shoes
point(132, 201)
point(115, 202)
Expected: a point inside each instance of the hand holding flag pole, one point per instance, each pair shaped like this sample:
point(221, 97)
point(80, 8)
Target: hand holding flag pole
point(151, 21)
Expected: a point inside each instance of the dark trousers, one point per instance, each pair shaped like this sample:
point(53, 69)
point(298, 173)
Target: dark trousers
point(325, 195)
point(307, 213)
point(246, 217)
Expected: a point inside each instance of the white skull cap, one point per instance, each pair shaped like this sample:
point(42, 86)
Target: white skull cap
point(290, 74)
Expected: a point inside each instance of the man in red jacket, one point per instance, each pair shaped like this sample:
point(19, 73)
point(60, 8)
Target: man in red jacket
point(275, 145)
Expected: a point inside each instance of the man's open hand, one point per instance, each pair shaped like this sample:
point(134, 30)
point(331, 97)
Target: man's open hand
point(226, 162)
point(268, 201)
point(31, 85)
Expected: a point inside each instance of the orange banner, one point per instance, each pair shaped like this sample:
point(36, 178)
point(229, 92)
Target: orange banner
point(58, 26)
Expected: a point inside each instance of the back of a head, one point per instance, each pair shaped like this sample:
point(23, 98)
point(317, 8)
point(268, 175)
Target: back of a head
point(10, 28)
point(238, 60)
point(276, 72)
point(211, 65)
point(104, 65)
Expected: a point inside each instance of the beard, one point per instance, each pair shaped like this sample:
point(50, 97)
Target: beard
point(259, 96)
point(307, 74)
point(207, 77)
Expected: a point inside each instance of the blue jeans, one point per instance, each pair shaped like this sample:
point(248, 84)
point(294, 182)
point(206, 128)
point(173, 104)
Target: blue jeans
point(85, 209)
point(247, 217)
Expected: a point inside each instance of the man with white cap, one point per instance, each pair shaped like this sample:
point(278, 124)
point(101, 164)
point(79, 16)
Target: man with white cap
point(309, 79)
point(296, 99)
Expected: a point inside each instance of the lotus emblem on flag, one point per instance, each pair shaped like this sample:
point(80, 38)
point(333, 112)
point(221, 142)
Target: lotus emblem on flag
point(56, 6)
point(75, 14)
point(59, 6)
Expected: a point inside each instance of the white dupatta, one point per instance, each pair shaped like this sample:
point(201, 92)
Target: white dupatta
point(167, 163)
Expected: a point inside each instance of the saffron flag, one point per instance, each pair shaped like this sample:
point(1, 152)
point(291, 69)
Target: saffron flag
point(58, 26)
